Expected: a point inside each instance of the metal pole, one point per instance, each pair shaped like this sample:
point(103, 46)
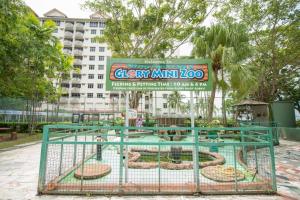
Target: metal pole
point(274, 184)
point(126, 136)
point(159, 172)
point(82, 167)
point(61, 155)
point(75, 149)
point(235, 178)
point(195, 149)
point(121, 160)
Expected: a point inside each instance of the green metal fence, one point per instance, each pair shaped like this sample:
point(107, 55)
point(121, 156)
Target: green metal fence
point(175, 160)
point(273, 125)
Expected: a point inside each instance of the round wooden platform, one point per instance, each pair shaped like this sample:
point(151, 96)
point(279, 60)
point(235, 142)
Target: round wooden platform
point(92, 171)
point(222, 173)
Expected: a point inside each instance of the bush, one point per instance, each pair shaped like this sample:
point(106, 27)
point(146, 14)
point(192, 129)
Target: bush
point(23, 127)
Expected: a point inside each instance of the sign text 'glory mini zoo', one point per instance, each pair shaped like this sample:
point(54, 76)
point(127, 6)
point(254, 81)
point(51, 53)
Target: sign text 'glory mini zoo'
point(158, 75)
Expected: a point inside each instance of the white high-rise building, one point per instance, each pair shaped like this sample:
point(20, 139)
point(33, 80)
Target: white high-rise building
point(85, 90)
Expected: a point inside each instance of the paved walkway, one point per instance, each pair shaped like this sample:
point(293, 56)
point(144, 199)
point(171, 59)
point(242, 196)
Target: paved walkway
point(19, 174)
point(288, 168)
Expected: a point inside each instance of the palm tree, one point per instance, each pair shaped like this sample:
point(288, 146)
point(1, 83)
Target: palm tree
point(216, 42)
point(174, 100)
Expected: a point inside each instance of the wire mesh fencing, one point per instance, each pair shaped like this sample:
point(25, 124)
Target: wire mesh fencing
point(162, 160)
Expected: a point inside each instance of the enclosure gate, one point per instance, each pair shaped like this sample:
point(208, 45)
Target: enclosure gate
point(114, 160)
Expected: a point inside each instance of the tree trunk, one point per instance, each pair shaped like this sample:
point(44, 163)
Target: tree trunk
point(224, 108)
point(134, 99)
point(212, 97)
point(223, 102)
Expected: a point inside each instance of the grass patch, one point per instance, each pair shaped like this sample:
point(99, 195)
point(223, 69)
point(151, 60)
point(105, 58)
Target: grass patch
point(183, 157)
point(22, 139)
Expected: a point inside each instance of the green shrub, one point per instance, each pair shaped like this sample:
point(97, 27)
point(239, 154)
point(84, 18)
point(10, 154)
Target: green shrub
point(298, 123)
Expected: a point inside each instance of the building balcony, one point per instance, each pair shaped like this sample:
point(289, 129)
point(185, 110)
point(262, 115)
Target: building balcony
point(75, 100)
point(69, 26)
point(79, 35)
point(67, 51)
point(77, 62)
point(75, 90)
point(78, 43)
point(78, 52)
point(64, 100)
point(68, 34)
point(79, 26)
point(68, 43)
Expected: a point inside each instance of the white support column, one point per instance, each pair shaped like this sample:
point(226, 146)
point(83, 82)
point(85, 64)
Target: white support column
point(126, 137)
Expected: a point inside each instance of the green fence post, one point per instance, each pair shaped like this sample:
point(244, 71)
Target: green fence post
point(235, 178)
point(43, 160)
point(75, 149)
point(82, 166)
point(158, 155)
point(244, 148)
point(196, 159)
point(61, 155)
point(271, 146)
point(121, 160)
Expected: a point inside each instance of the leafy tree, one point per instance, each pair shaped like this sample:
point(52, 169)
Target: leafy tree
point(147, 29)
point(274, 29)
point(31, 57)
point(12, 40)
point(174, 100)
point(289, 85)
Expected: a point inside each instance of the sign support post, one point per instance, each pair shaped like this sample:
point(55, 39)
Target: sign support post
point(126, 135)
point(195, 141)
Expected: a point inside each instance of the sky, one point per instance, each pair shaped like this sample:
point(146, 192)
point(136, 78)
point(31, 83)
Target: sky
point(71, 8)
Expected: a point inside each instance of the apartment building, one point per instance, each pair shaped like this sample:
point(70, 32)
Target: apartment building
point(85, 90)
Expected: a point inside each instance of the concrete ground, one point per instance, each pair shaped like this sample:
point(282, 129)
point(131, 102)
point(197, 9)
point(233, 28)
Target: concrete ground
point(19, 175)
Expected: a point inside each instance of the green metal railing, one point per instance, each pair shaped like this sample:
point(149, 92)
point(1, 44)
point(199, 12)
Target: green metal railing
point(247, 163)
point(273, 125)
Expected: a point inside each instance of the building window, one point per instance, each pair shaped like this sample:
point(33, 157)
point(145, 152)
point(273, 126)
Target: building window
point(57, 22)
point(100, 86)
point(100, 76)
point(91, 76)
point(66, 85)
point(90, 85)
point(101, 49)
point(77, 76)
point(93, 31)
point(93, 40)
point(146, 106)
point(92, 49)
point(100, 67)
point(101, 58)
point(75, 95)
point(165, 105)
point(99, 95)
point(165, 96)
point(101, 24)
point(92, 57)
point(65, 95)
point(93, 24)
point(76, 85)
point(101, 32)
point(91, 67)
point(146, 98)
point(89, 95)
